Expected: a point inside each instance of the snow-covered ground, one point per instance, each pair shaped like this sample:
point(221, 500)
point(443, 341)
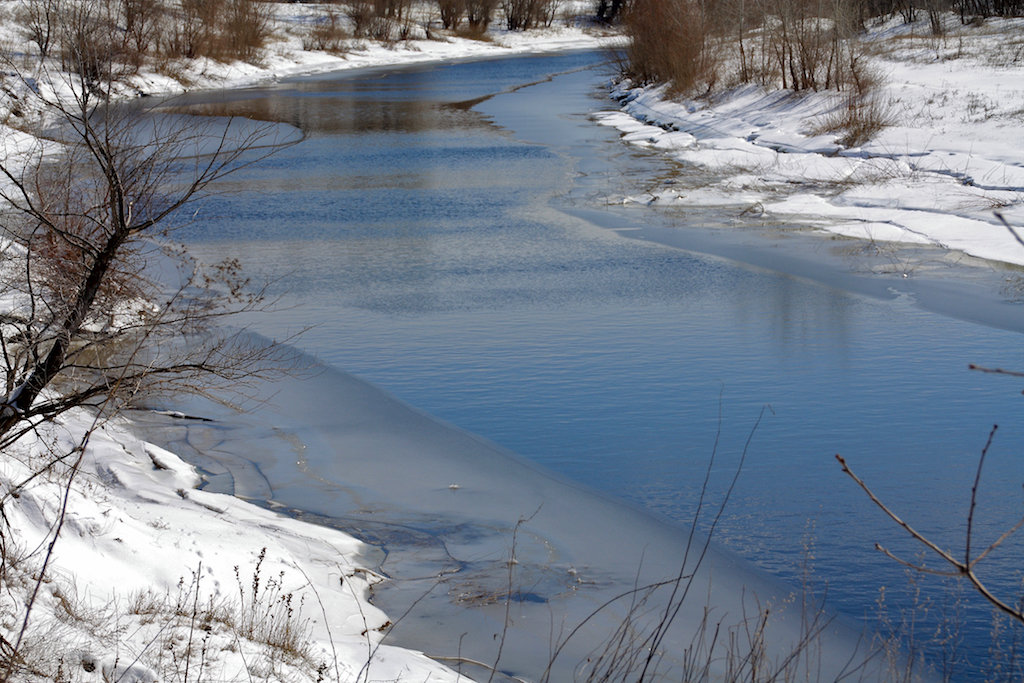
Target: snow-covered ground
point(287, 56)
point(152, 579)
point(952, 155)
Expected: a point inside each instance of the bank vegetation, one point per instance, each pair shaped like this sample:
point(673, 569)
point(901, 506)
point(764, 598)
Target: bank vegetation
point(701, 47)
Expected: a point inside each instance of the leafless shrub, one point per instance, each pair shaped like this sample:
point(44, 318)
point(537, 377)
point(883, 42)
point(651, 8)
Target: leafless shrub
point(479, 14)
point(385, 21)
point(262, 615)
point(268, 614)
point(218, 29)
point(962, 567)
point(361, 14)
point(971, 9)
point(39, 19)
point(609, 11)
point(193, 28)
point(670, 44)
point(79, 219)
point(526, 14)
point(857, 118)
point(327, 33)
point(91, 44)
point(965, 565)
point(247, 27)
point(452, 12)
point(142, 21)
point(695, 45)
point(392, 9)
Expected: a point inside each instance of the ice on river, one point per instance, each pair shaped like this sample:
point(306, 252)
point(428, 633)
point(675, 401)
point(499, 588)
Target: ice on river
point(450, 510)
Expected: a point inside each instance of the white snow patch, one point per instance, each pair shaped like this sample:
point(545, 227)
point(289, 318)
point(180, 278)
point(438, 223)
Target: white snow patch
point(935, 176)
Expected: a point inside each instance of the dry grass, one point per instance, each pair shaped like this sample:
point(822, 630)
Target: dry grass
point(327, 33)
point(471, 32)
point(857, 119)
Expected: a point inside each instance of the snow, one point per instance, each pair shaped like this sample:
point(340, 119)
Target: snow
point(139, 540)
point(287, 57)
point(936, 175)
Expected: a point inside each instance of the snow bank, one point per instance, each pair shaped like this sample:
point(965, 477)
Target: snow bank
point(287, 56)
point(150, 572)
point(935, 176)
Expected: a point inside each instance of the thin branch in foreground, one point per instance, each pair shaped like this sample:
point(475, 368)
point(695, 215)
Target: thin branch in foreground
point(995, 371)
point(965, 568)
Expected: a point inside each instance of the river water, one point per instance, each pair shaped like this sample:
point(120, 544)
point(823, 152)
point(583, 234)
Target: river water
point(457, 235)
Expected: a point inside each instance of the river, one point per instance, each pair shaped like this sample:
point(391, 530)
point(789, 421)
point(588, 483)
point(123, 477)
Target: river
point(457, 235)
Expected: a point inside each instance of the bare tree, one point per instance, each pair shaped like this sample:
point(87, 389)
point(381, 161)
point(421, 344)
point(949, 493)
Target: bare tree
point(39, 19)
point(452, 12)
point(85, 216)
point(479, 14)
point(87, 204)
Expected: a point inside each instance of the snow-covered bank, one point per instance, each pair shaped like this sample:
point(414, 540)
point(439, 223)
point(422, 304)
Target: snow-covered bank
point(949, 158)
point(151, 576)
point(287, 56)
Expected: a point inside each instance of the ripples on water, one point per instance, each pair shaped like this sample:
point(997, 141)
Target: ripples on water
point(433, 247)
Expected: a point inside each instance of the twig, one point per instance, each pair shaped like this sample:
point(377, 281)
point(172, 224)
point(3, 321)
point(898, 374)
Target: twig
point(964, 569)
point(508, 595)
point(995, 371)
point(1009, 227)
point(974, 496)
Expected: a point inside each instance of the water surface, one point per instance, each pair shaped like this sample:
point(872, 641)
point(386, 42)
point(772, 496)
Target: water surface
point(456, 235)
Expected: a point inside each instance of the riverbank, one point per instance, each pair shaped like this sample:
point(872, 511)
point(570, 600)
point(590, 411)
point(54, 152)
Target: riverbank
point(153, 579)
point(935, 175)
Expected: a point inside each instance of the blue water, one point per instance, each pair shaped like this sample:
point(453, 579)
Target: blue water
point(464, 259)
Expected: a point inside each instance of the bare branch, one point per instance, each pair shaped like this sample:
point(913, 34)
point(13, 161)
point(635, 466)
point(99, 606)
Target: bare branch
point(964, 569)
point(995, 371)
point(974, 496)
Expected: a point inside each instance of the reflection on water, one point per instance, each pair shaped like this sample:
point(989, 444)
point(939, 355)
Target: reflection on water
point(331, 115)
point(475, 273)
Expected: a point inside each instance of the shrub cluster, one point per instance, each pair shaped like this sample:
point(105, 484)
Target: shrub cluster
point(98, 38)
point(969, 10)
point(525, 14)
point(477, 14)
point(519, 15)
point(795, 44)
point(696, 44)
point(384, 20)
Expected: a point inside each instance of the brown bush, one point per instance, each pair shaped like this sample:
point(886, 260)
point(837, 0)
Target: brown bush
point(89, 42)
point(858, 118)
point(669, 44)
point(479, 14)
point(142, 22)
point(526, 14)
point(247, 28)
point(794, 44)
point(452, 12)
point(327, 33)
